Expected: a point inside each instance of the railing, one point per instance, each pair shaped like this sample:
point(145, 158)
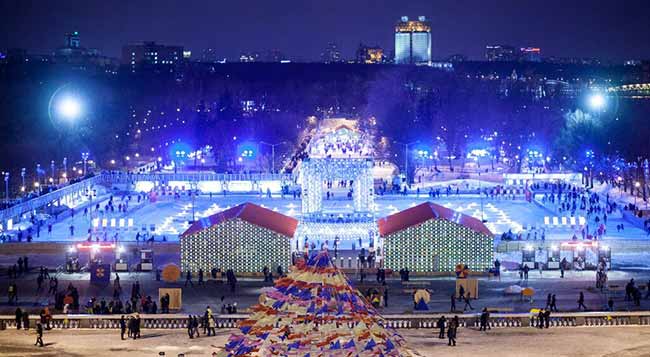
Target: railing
point(406, 321)
point(121, 177)
point(42, 200)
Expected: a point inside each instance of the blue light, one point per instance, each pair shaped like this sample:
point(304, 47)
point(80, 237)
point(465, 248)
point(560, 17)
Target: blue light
point(247, 150)
point(179, 151)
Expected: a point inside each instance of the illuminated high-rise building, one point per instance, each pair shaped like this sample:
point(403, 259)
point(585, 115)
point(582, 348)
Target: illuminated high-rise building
point(413, 41)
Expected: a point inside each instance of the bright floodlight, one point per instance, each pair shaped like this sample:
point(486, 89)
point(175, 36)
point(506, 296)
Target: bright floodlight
point(69, 108)
point(597, 101)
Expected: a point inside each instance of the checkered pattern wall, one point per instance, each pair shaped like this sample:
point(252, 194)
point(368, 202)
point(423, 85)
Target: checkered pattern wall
point(438, 245)
point(235, 244)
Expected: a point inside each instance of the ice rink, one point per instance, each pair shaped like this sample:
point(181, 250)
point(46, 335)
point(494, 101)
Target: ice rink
point(170, 217)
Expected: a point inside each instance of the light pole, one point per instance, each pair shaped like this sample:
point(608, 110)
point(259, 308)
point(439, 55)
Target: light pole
point(637, 184)
point(7, 187)
point(52, 166)
point(273, 152)
point(84, 157)
point(23, 171)
point(38, 173)
point(406, 157)
point(65, 167)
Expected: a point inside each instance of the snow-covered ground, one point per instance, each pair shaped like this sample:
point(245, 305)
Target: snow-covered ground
point(170, 217)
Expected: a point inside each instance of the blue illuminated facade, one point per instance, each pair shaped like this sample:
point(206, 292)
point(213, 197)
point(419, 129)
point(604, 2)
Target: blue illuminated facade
point(413, 41)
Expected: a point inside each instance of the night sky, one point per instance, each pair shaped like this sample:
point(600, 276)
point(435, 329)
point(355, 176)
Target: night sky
point(613, 30)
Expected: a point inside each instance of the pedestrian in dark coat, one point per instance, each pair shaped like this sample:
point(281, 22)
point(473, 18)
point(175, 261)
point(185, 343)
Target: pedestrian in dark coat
point(452, 330)
point(19, 318)
point(442, 321)
point(122, 326)
point(190, 326)
point(26, 320)
point(485, 317)
point(39, 334)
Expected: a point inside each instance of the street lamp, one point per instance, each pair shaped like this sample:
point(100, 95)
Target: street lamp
point(637, 184)
point(84, 157)
point(69, 107)
point(7, 187)
point(597, 101)
point(65, 166)
point(23, 171)
point(53, 168)
point(273, 152)
point(406, 157)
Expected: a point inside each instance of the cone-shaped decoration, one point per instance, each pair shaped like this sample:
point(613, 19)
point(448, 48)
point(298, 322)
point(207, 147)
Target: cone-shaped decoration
point(315, 312)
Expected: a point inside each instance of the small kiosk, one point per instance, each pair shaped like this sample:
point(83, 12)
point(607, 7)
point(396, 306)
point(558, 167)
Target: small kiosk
point(554, 260)
point(72, 260)
point(582, 255)
point(121, 264)
point(528, 257)
point(146, 260)
point(605, 255)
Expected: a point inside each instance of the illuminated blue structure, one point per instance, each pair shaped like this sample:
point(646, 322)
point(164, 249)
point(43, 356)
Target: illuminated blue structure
point(413, 41)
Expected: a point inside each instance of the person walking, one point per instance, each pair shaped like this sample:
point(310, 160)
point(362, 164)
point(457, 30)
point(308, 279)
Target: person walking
point(211, 325)
point(581, 301)
point(452, 308)
point(553, 305)
point(200, 277)
point(19, 318)
point(468, 303)
point(122, 327)
point(12, 292)
point(452, 330)
point(26, 320)
point(39, 334)
point(136, 324)
point(188, 278)
point(441, 324)
point(196, 325)
point(190, 326)
point(485, 316)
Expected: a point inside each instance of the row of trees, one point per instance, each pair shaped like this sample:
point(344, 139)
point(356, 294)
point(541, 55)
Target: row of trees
point(454, 112)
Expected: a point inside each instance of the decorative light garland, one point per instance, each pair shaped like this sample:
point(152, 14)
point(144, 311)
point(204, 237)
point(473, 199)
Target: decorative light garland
point(438, 245)
point(235, 244)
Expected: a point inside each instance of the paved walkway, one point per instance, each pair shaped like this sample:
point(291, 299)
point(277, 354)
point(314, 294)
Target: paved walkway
point(624, 341)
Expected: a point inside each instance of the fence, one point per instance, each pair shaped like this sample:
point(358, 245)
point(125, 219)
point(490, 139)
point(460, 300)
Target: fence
point(406, 321)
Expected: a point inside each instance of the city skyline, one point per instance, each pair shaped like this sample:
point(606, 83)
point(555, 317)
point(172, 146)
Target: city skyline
point(302, 31)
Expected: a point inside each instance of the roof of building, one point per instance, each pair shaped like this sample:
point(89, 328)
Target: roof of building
point(250, 213)
point(424, 212)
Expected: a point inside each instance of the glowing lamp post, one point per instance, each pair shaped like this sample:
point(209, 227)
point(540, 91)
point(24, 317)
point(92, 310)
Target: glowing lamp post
point(637, 184)
point(597, 101)
point(406, 157)
point(84, 157)
point(23, 171)
point(273, 153)
point(69, 108)
point(7, 186)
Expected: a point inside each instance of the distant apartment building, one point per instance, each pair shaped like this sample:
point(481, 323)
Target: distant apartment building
point(370, 55)
point(500, 53)
point(150, 54)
